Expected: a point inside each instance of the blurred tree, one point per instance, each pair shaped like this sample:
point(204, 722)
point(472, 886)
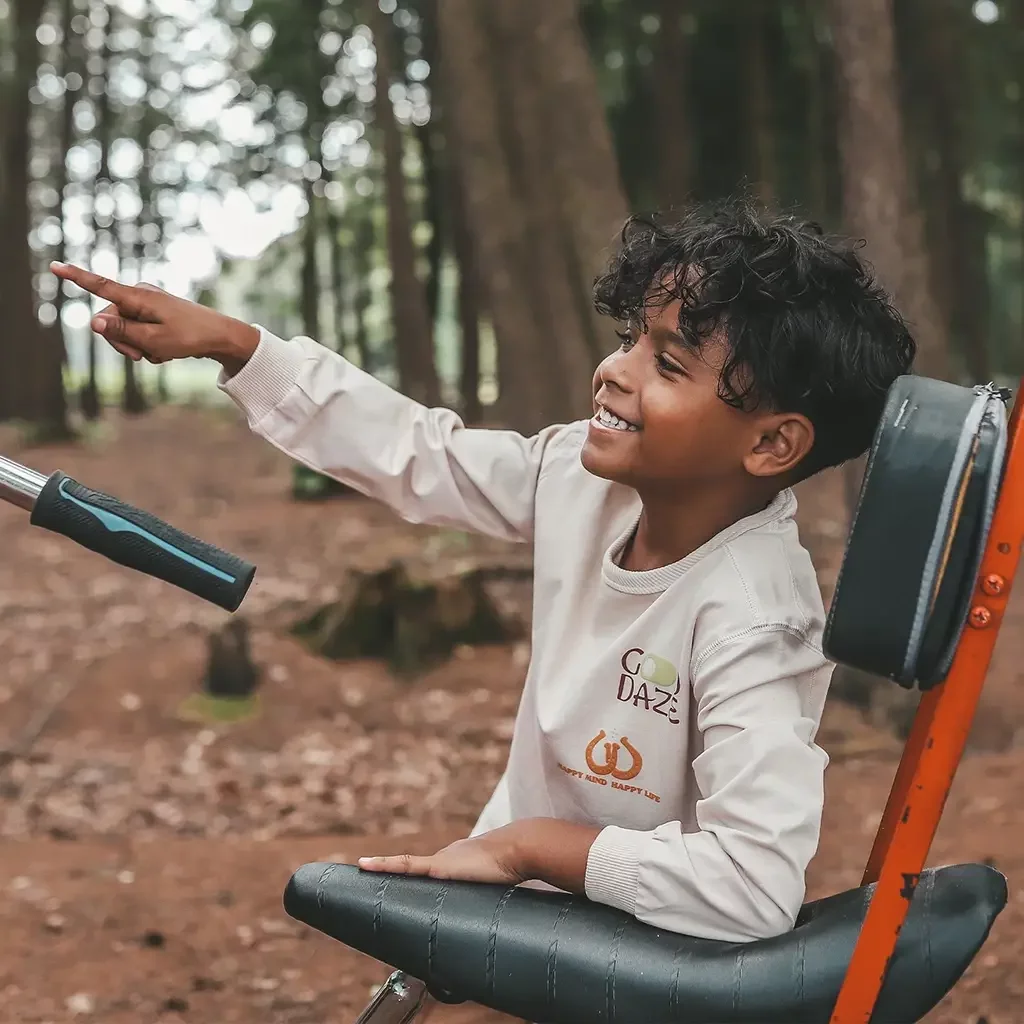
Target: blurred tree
point(339, 278)
point(544, 200)
point(1016, 16)
point(362, 268)
point(497, 220)
point(145, 234)
point(670, 93)
point(31, 359)
point(518, 56)
point(100, 60)
point(878, 199)
point(758, 31)
point(126, 231)
point(432, 156)
point(938, 95)
point(417, 372)
point(72, 25)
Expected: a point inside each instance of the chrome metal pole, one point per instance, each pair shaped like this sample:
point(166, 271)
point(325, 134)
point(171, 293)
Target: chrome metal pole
point(19, 485)
point(398, 1001)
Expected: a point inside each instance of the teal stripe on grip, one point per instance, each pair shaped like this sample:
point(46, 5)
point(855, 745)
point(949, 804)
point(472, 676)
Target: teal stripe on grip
point(118, 524)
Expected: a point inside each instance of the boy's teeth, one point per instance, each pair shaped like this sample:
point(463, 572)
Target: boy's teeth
point(611, 420)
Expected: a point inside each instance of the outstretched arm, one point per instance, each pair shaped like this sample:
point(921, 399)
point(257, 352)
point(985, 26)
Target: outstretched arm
point(325, 412)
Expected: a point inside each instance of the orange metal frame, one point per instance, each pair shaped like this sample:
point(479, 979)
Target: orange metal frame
point(933, 751)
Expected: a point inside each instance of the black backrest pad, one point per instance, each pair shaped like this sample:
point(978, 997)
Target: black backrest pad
point(561, 959)
point(922, 519)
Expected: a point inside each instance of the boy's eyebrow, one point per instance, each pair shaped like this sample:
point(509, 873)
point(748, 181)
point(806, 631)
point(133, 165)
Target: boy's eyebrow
point(664, 334)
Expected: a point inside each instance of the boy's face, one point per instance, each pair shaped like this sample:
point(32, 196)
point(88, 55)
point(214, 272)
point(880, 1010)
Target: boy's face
point(660, 427)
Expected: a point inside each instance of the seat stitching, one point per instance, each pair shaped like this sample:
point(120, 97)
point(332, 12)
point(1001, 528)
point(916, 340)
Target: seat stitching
point(737, 990)
point(320, 883)
point(435, 918)
point(677, 967)
point(609, 985)
point(492, 939)
point(378, 904)
point(552, 959)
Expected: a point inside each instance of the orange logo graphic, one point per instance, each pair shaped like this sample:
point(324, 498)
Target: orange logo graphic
point(611, 758)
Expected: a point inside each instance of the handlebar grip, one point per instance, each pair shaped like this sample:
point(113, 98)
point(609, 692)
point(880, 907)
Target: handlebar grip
point(141, 541)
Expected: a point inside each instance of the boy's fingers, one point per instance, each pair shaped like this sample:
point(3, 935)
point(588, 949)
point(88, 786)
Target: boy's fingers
point(404, 864)
point(126, 297)
point(126, 350)
point(122, 332)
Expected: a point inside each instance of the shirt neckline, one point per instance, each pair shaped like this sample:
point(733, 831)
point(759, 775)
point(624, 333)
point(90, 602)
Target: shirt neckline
point(654, 581)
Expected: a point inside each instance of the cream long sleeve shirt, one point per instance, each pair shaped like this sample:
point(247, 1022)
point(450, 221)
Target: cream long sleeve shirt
point(675, 708)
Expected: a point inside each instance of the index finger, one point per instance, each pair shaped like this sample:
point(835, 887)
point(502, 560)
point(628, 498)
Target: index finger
point(123, 295)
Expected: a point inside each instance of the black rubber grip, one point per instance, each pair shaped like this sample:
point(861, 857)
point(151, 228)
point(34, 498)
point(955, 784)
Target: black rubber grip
point(141, 541)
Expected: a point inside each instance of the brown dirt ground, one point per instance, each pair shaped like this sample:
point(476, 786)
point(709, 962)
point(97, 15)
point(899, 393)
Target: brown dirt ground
point(143, 857)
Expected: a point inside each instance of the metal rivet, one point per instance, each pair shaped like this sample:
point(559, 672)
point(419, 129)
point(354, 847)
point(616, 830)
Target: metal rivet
point(993, 584)
point(980, 617)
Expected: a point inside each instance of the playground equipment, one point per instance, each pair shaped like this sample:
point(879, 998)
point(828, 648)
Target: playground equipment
point(126, 535)
point(931, 556)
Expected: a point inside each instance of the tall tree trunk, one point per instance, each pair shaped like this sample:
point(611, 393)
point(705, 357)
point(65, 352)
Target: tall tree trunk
point(468, 298)
point(962, 277)
point(583, 153)
point(89, 398)
point(309, 298)
point(529, 397)
point(817, 193)
point(1016, 12)
point(133, 398)
point(433, 211)
point(73, 69)
point(362, 265)
point(670, 91)
point(877, 196)
point(339, 293)
point(553, 278)
point(435, 157)
point(414, 342)
point(31, 359)
point(760, 113)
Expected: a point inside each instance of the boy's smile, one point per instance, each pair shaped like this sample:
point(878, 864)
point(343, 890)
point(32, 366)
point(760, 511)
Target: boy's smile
point(608, 419)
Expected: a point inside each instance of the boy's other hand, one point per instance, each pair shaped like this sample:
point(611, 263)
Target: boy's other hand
point(484, 858)
point(145, 322)
point(548, 849)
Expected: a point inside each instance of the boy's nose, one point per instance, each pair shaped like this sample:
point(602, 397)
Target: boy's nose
point(618, 371)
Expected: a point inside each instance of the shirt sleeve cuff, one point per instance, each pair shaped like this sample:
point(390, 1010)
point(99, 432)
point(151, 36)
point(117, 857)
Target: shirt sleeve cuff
point(613, 865)
point(267, 378)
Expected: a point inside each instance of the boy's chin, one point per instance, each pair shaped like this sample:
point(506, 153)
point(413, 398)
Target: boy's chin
point(603, 464)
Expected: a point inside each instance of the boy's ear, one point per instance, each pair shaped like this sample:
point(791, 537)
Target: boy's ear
point(781, 443)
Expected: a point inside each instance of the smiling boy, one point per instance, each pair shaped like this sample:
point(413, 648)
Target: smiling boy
point(663, 759)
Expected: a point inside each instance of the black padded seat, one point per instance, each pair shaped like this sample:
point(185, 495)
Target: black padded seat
point(562, 959)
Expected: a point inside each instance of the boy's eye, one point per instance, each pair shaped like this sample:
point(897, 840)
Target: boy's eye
point(626, 338)
point(666, 365)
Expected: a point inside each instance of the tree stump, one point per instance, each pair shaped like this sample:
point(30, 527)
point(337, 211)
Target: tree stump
point(412, 615)
point(309, 485)
point(229, 685)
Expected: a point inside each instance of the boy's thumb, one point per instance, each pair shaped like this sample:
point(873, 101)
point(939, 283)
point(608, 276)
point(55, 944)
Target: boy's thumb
point(105, 325)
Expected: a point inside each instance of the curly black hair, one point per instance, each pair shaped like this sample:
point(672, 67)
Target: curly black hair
point(808, 328)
